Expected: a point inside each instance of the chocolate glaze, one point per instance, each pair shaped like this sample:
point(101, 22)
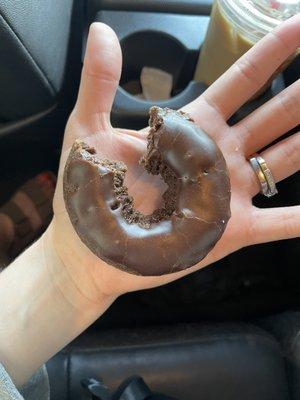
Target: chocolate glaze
point(196, 205)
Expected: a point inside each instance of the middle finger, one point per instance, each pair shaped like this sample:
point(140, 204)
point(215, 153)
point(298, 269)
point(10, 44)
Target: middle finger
point(270, 121)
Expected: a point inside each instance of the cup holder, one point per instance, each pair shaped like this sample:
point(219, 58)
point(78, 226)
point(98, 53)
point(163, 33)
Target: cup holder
point(158, 50)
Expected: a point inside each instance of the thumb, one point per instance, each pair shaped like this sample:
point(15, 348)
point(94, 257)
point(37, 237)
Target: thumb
point(100, 77)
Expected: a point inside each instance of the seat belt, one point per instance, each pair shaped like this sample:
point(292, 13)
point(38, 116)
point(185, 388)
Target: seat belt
point(133, 388)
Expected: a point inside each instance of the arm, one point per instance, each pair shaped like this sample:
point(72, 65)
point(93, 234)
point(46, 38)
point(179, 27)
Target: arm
point(42, 310)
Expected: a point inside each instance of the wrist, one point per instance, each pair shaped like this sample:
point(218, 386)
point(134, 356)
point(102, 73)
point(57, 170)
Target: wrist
point(68, 274)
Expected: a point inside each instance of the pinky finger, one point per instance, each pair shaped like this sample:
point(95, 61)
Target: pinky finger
point(272, 224)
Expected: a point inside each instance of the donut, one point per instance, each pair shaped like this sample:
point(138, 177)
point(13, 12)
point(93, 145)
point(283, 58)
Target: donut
point(195, 210)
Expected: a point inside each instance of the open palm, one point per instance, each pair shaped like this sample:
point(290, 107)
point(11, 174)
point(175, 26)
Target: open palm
point(90, 121)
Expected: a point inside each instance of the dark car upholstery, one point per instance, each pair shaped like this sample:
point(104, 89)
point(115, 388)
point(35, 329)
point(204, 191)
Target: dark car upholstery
point(188, 362)
point(34, 38)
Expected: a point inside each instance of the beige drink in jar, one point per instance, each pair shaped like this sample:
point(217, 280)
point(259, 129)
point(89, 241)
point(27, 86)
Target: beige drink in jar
point(235, 26)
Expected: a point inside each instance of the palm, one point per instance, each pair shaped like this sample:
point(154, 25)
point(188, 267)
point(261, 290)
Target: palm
point(244, 227)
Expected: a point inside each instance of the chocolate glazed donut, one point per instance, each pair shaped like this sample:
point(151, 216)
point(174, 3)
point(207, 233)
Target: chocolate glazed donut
point(196, 205)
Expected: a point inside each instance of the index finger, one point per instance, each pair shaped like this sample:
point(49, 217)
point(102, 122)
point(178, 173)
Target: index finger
point(248, 74)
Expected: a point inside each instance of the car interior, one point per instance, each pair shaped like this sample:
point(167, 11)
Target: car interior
point(230, 331)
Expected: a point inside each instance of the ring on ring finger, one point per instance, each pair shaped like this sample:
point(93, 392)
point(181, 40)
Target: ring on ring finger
point(264, 175)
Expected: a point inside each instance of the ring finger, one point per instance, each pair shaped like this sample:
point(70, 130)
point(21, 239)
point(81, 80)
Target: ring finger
point(283, 160)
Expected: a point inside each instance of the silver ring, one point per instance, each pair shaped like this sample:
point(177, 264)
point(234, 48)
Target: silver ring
point(264, 175)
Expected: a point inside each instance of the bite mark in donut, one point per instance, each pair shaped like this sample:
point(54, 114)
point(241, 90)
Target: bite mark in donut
point(196, 205)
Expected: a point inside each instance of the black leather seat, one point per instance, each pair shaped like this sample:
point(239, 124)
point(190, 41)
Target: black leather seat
point(34, 37)
point(286, 329)
point(189, 362)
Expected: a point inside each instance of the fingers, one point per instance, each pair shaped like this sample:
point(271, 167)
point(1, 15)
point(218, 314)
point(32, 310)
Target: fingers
point(240, 82)
point(271, 120)
point(100, 76)
point(271, 224)
point(283, 160)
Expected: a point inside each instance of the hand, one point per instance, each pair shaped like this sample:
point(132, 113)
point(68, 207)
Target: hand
point(90, 121)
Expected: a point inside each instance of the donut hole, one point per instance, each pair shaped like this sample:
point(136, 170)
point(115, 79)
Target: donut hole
point(153, 187)
point(205, 172)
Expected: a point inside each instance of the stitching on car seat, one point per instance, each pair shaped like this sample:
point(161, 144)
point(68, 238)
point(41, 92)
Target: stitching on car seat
point(26, 51)
point(214, 338)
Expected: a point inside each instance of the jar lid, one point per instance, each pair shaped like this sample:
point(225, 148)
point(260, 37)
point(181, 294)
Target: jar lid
point(280, 10)
point(256, 18)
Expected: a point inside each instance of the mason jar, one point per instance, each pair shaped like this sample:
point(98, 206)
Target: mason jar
point(235, 26)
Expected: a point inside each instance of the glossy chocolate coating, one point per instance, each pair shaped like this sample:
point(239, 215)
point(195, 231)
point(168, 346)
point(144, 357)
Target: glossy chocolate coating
point(176, 237)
